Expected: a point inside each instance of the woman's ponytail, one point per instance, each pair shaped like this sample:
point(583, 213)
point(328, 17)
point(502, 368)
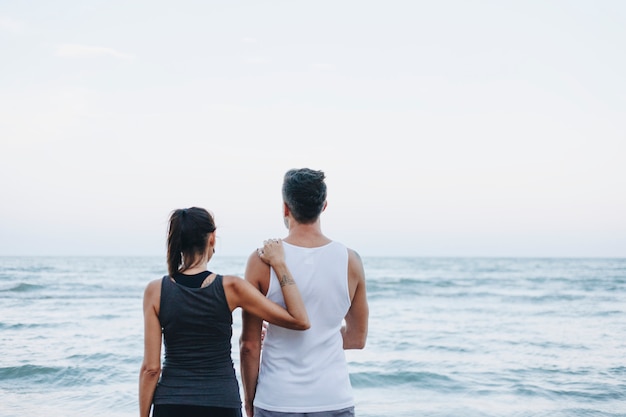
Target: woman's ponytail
point(187, 237)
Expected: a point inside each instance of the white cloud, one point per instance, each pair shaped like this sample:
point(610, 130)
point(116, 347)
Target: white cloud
point(256, 60)
point(33, 117)
point(323, 66)
point(10, 25)
point(75, 50)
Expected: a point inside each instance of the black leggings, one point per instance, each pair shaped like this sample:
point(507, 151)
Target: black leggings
point(175, 410)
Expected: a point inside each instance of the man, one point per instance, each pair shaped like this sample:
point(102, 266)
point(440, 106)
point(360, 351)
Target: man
point(305, 372)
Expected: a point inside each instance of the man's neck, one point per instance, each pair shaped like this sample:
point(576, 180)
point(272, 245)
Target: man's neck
point(306, 235)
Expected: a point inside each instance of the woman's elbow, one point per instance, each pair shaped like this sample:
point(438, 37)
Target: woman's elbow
point(150, 371)
point(301, 325)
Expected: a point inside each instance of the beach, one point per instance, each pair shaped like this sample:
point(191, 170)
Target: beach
point(448, 336)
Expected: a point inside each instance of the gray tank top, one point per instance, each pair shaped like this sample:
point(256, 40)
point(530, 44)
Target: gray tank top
point(197, 330)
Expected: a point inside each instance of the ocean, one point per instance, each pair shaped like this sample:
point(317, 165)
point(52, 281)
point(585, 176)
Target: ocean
point(448, 336)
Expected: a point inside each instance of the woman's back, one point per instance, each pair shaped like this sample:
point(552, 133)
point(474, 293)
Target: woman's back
point(197, 331)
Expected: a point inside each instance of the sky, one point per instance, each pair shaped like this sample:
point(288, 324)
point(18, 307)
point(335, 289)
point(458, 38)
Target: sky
point(445, 128)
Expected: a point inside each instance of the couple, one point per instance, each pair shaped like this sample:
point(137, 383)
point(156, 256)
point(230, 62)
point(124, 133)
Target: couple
point(311, 291)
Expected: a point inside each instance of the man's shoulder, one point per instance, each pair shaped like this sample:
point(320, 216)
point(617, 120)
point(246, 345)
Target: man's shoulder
point(257, 271)
point(353, 253)
point(254, 260)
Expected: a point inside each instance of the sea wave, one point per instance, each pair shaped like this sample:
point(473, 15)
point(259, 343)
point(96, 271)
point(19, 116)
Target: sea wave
point(582, 393)
point(416, 379)
point(52, 376)
point(446, 337)
point(21, 287)
point(26, 326)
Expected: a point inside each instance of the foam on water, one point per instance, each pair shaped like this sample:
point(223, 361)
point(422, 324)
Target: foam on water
point(448, 337)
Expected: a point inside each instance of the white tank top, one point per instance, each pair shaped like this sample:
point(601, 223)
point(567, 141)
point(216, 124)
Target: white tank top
point(306, 371)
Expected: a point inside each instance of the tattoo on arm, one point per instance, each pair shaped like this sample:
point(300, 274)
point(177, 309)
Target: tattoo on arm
point(285, 280)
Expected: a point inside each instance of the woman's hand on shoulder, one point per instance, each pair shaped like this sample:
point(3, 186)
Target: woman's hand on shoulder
point(272, 252)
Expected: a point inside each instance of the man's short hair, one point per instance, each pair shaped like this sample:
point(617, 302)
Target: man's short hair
point(304, 192)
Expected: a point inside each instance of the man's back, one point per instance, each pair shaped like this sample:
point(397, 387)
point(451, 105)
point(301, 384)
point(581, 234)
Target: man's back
point(307, 371)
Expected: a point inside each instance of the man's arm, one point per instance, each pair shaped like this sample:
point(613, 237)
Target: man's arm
point(250, 340)
point(354, 331)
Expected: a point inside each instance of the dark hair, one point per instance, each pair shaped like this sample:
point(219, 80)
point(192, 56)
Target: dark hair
point(187, 237)
point(304, 192)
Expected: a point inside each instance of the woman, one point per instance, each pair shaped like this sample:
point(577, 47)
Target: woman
point(191, 309)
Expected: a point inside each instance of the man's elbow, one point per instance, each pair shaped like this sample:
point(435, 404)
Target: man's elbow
point(360, 344)
point(249, 347)
point(355, 341)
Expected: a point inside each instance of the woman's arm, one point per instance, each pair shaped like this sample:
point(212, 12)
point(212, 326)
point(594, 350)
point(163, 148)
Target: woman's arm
point(241, 293)
point(151, 366)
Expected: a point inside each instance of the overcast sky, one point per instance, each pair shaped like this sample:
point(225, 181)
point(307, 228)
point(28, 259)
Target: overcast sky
point(446, 128)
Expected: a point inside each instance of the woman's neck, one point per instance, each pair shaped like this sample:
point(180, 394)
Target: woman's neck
point(193, 271)
point(196, 267)
point(199, 264)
